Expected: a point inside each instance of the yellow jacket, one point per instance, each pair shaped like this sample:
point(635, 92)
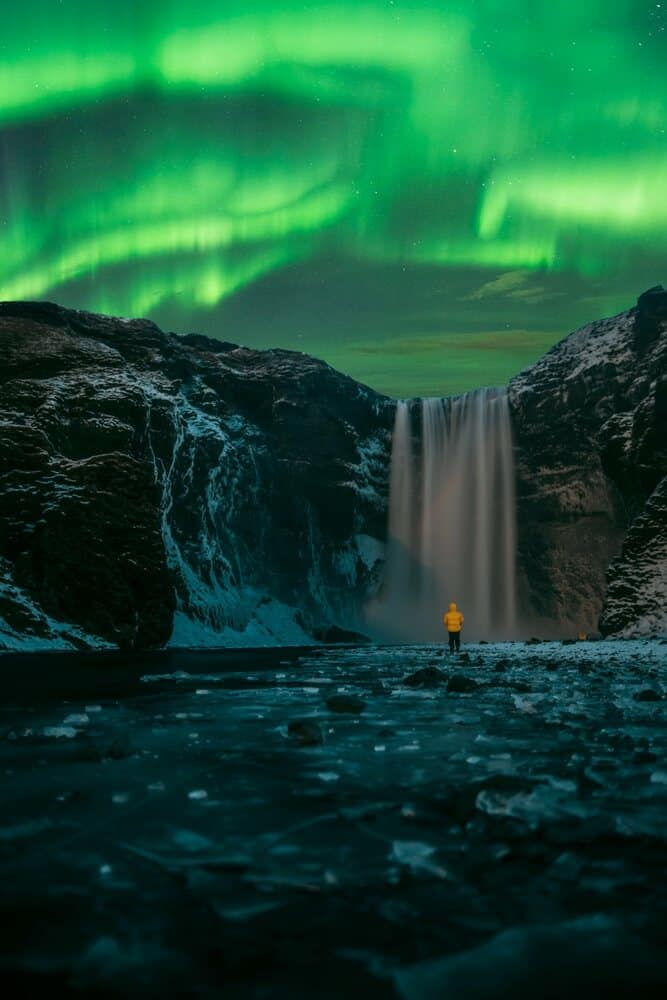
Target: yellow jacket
point(453, 619)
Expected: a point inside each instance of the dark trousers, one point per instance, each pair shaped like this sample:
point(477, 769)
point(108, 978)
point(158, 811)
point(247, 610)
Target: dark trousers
point(454, 641)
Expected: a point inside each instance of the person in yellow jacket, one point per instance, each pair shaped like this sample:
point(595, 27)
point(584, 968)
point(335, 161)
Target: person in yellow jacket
point(453, 620)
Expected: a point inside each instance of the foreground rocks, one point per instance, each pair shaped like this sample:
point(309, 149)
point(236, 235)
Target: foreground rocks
point(198, 823)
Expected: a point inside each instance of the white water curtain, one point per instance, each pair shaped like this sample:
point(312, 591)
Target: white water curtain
point(452, 519)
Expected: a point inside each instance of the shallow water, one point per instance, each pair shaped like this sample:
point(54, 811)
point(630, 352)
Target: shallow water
point(164, 829)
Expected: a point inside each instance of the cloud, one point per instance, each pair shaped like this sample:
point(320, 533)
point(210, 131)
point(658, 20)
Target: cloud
point(505, 283)
point(512, 285)
point(534, 295)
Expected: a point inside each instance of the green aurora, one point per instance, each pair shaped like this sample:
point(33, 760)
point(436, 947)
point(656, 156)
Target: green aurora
point(426, 195)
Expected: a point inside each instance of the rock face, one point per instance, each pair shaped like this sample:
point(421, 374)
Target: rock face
point(162, 489)
point(636, 600)
point(158, 488)
point(590, 423)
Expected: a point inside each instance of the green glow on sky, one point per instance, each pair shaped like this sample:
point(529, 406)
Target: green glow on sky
point(381, 184)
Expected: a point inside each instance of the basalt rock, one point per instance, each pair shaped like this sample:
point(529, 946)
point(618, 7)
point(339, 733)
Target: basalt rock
point(636, 600)
point(590, 426)
point(158, 487)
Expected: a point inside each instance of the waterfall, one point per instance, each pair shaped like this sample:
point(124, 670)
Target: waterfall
point(452, 519)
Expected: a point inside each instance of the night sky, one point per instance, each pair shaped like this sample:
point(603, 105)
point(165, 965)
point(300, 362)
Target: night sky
point(425, 194)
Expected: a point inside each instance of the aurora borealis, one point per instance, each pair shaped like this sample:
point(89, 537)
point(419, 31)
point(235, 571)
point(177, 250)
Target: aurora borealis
point(427, 195)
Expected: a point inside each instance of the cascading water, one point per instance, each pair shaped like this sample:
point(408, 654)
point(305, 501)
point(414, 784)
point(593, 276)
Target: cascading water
point(452, 519)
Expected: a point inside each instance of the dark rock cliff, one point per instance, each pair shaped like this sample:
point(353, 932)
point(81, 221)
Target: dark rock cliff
point(155, 486)
point(590, 422)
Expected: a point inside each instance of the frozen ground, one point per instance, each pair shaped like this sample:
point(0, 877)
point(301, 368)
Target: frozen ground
point(166, 831)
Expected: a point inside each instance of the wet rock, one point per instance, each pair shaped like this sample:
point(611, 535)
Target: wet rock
point(501, 665)
point(110, 748)
point(306, 732)
point(568, 642)
point(461, 684)
point(464, 657)
point(591, 956)
point(533, 641)
point(647, 694)
point(426, 677)
point(346, 704)
point(521, 687)
point(332, 634)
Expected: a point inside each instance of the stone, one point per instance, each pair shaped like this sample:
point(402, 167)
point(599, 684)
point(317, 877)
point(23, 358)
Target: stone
point(647, 694)
point(333, 634)
point(522, 687)
point(346, 704)
point(461, 684)
point(425, 677)
point(306, 732)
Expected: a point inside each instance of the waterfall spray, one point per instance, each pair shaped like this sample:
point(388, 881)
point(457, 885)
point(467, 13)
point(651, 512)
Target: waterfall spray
point(452, 518)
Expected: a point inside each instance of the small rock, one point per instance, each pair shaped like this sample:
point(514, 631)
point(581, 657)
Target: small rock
point(119, 748)
point(568, 642)
point(647, 694)
point(461, 684)
point(500, 666)
point(426, 677)
point(346, 703)
point(332, 634)
point(644, 757)
point(533, 641)
point(307, 732)
point(522, 687)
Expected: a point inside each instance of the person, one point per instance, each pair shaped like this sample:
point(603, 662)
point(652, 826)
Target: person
point(453, 620)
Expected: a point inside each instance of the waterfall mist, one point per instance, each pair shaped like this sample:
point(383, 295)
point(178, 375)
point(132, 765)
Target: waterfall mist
point(452, 519)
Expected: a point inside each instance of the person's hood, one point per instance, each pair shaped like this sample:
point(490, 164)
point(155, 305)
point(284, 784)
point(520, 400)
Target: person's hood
point(452, 606)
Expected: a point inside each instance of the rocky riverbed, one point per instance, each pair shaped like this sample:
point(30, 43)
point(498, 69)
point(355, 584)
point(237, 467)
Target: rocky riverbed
point(376, 821)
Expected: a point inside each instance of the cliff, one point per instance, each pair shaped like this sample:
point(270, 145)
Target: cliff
point(161, 489)
point(590, 425)
point(156, 488)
